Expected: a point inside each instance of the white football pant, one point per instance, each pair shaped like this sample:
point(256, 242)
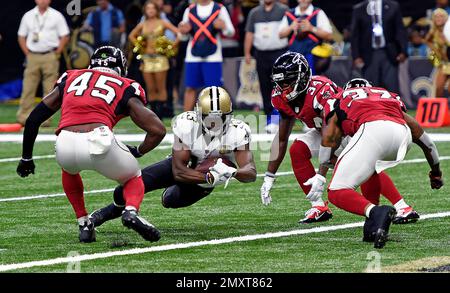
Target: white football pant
point(376, 146)
point(97, 150)
point(313, 139)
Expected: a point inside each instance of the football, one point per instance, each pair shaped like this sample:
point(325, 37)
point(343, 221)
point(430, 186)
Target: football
point(204, 166)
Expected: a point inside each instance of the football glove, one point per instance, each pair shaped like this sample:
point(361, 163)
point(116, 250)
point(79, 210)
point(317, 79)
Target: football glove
point(134, 151)
point(317, 186)
point(436, 181)
point(222, 173)
point(269, 180)
point(25, 167)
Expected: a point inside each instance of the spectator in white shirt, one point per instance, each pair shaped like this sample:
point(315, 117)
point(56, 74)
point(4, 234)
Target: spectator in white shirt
point(306, 26)
point(42, 36)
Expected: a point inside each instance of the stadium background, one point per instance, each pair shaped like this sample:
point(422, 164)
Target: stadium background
point(11, 57)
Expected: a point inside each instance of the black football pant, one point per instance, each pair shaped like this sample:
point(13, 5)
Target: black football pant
point(175, 195)
point(264, 64)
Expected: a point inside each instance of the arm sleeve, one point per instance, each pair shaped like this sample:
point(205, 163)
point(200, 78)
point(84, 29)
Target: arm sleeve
point(120, 17)
point(323, 22)
point(229, 28)
point(36, 118)
point(185, 15)
point(62, 28)
point(250, 26)
point(135, 90)
point(23, 28)
point(89, 19)
point(283, 24)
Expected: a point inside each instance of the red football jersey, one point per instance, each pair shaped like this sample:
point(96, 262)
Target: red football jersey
point(91, 96)
point(360, 105)
point(319, 88)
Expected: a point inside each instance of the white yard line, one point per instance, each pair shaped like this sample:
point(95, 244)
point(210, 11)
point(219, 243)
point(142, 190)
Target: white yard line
point(7, 160)
point(257, 137)
point(20, 198)
point(135, 251)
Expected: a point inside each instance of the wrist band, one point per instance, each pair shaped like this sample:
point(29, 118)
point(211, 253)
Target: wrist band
point(269, 174)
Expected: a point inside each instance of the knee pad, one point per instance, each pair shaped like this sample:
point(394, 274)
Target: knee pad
point(169, 197)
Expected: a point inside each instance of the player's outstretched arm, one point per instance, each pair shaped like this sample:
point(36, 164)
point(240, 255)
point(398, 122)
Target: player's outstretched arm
point(44, 110)
point(280, 143)
point(149, 122)
point(277, 152)
point(331, 136)
point(247, 169)
point(181, 156)
point(423, 140)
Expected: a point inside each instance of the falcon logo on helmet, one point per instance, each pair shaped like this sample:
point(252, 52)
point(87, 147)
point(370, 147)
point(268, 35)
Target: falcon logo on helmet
point(291, 74)
point(109, 58)
point(357, 82)
point(214, 110)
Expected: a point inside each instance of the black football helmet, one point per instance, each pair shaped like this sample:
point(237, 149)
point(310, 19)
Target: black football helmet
point(357, 82)
point(291, 74)
point(110, 57)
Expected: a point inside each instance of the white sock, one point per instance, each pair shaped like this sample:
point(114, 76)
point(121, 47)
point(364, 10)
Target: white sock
point(401, 204)
point(131, 208)
point(83, 220)
point(318, 203)
point(368, 209)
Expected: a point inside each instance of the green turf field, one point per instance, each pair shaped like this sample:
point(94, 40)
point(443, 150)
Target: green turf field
point(45, 228)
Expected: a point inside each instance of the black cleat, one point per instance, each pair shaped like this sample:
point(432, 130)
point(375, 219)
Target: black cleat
point(107, 213)
point(405, 216)
point(381, 217)
point(131, 220)
point(87, 233)
point(369, 233)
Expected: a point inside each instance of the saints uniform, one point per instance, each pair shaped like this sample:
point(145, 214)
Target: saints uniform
point(188, 129)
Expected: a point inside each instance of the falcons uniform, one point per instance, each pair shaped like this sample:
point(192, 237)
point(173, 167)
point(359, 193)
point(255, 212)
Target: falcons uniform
point(380, 136)
point(92, 96)
point(320, 88)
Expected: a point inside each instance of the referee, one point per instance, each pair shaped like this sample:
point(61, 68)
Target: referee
point(43, 33)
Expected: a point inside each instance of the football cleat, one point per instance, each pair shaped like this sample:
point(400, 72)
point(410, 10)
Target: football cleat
point(405, 216)
point(377, 226)
point(107, 213)
point(317, 214)
point(131, 220)
point(87, 233)
point(369, 233)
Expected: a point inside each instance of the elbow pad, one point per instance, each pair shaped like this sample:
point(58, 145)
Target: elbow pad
point(426, 140)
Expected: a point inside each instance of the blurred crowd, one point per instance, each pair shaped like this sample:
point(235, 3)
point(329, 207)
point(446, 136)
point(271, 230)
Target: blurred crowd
point(177, 47)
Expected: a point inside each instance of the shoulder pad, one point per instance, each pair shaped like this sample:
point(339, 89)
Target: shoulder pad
point(184, 125)
point(241, 133)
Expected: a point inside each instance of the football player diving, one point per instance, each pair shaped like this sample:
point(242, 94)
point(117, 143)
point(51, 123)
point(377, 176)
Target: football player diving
point(210, 133)
point(296, 95)
point(92, 101)
point(381, 133)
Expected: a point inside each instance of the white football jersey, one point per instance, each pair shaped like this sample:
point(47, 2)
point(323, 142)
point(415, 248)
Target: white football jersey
point(189, 130)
